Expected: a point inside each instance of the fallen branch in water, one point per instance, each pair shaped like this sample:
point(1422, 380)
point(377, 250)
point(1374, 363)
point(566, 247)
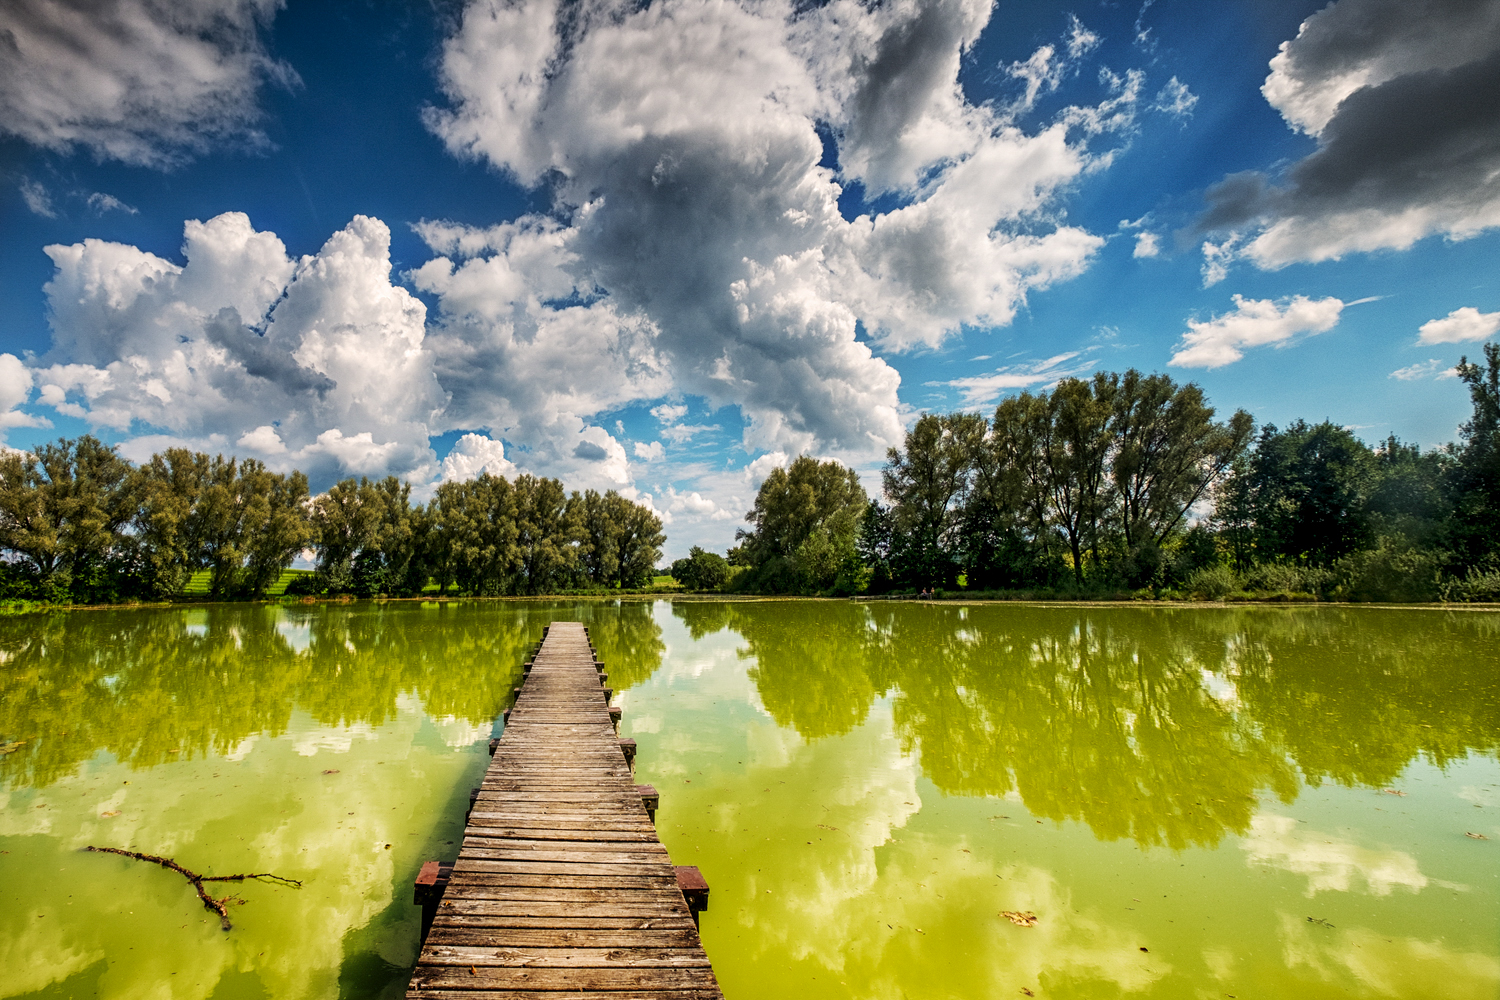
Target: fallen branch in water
point(209, 902)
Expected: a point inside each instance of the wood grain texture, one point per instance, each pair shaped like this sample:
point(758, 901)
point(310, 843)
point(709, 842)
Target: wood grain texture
point(561, 889)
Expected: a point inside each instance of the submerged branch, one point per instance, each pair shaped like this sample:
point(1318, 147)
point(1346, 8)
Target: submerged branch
point(209, 902)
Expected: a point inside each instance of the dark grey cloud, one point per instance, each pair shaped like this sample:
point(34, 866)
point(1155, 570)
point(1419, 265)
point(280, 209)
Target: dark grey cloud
point(1414, 140)
point(1404, 34)
point(590, 452)
point(263, 359)
point(1414, 152)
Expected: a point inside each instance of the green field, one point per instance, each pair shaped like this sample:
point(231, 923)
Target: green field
point(198, 585)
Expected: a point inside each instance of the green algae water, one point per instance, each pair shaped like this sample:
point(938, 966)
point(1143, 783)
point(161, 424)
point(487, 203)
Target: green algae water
point(888, 799)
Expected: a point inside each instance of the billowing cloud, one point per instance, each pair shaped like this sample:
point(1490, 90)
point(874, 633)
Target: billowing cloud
point(650, 452)
point(694, 504)
point(474, 454)
point(1401, 99)
point(1215, 342)
point(680, 144)
point(15, 389)
point(205, 350)
point(756, 472)
point(146, 82)
point(525, 348)
point(1459, 326)
point(1146, 245)
point(1348, 46)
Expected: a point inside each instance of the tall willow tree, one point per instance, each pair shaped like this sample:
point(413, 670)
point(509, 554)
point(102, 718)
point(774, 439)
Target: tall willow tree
point(641, 539)
point(1007, 538)
point(927, 483)
point(1169, 454)
point(346, 520)
point(544, 539)
point(239, 520)
point(476, 521)
point(275, 523)
point(617, 542)
point(63, 508)
point(806, 524)
point(1476, 485)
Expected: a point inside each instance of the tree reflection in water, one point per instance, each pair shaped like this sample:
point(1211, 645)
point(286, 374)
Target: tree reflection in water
point(160, 684)
point(1161, 725)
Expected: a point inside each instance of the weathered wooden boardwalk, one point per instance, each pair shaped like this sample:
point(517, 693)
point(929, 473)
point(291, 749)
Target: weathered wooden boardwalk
point(562, 889)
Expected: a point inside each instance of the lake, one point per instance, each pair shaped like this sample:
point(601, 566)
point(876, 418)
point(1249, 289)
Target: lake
point(1191, 802)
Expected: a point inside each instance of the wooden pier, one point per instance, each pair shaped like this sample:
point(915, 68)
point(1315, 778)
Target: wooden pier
point(562, 889)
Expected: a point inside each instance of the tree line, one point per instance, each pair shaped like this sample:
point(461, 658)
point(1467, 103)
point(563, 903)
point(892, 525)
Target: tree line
point(81, 524)
point(1128, 482)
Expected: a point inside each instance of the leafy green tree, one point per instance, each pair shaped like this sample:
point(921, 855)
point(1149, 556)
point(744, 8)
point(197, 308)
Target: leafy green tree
point(275, 522)
point(1076, 449)
point(1309, 487)
point(1409, 492)
point(926, 483)
point(1169, 454)
point(641, 539)
point(219, 512)
point(392, 561)
point(476, 520)
point(542, 535)
point(63, 510)
point(598, 533)
point(1476, 488)
point(806, 523)
point(346, 521)
point(166, 528)
point(701, 570)
point(873, 546)
point(1233, 516)
point(1007, 541)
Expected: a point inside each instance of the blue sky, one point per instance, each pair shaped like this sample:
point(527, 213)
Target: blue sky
point(663, 248)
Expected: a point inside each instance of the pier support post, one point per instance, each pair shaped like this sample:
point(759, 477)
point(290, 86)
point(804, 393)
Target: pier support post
point(651, 799)
point(428, 889)
point(694, 889)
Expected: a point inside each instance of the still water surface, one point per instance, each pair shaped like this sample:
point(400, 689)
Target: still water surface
point(1256, 802)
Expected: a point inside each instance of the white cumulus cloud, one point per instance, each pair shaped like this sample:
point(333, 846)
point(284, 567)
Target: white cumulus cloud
point(680, 144)
point(1216, 342)
point(1459, 326)
point(15, 390)
point(239, 331)
point(474, 454)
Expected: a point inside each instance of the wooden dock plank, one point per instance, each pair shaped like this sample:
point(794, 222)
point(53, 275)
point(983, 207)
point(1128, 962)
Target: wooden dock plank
point(561, 889)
